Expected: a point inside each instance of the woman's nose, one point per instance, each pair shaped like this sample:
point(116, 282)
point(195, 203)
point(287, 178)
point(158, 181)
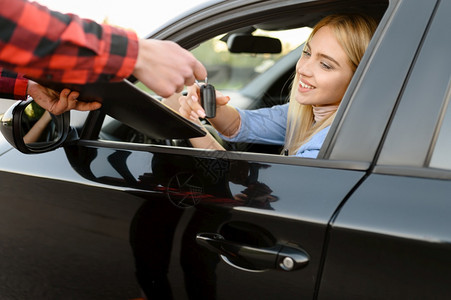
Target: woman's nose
point(304, 67)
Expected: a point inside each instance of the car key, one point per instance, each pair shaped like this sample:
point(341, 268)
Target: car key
point(208, 99)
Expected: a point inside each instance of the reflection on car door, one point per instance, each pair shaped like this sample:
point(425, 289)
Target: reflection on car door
point(256, 212)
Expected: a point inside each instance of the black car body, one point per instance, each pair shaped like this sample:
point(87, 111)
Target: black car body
point(369, 218)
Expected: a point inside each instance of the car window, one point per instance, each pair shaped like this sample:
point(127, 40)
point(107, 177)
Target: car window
point(251, 80)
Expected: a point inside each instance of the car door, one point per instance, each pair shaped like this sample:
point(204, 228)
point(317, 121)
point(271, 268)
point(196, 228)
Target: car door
point(232, 224)
point(391, 238)
point(356, 138)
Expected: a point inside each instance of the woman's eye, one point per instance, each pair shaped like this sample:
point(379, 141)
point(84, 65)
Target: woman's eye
point(306, 53)
point(326, 66)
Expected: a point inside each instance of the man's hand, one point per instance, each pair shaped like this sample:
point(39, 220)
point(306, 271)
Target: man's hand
point(165, 67)
point(58, 103)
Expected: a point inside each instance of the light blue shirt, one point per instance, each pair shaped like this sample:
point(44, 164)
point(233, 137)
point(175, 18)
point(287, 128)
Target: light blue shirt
point(268, 126)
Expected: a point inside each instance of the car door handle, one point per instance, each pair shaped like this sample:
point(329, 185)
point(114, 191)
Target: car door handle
point(251, 258)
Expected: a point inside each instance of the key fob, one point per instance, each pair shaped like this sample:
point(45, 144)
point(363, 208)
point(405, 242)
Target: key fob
point(208, 100)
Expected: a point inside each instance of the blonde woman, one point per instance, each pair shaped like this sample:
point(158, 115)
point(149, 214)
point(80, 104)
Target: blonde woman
point(323, 72)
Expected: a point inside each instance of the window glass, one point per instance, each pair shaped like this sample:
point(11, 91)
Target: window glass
point(441, 156)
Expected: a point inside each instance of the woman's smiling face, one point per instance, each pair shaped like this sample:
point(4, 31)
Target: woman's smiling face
point(323, 70)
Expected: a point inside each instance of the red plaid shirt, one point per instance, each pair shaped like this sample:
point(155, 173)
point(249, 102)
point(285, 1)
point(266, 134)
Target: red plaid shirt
point(60, 47)
point(12, 85)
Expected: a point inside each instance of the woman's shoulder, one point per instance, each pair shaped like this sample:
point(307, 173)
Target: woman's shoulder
point(313, 146)
point(321, 135)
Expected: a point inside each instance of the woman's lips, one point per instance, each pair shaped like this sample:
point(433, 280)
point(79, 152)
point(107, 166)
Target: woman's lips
point(305, 86)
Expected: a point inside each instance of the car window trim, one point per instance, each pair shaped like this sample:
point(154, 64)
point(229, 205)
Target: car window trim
point(229, 155)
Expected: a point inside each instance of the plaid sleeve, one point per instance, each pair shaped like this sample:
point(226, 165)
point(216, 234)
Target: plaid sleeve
point(60, 47)
point(12, 85)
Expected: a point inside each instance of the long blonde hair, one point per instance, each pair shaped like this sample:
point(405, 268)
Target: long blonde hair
point(353, 32)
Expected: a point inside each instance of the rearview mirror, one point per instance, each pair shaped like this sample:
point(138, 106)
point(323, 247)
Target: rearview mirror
point(247, 43)
point(31, 129)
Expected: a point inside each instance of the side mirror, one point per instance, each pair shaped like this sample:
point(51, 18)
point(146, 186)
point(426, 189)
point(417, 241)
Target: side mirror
point(247, 43)
point(31, 129)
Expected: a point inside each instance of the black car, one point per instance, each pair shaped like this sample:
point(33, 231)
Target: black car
point(116, 203)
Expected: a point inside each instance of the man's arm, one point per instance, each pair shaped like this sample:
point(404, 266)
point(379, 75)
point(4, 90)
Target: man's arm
point(12, 85)
point(46, 44)
point(63, 47)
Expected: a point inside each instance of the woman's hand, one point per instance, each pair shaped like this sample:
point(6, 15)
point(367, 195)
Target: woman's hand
point(190, 106)
point(58, 103)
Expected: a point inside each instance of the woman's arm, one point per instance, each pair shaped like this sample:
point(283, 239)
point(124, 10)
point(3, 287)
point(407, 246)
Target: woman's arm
point(35, 132)
point(227, 120)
